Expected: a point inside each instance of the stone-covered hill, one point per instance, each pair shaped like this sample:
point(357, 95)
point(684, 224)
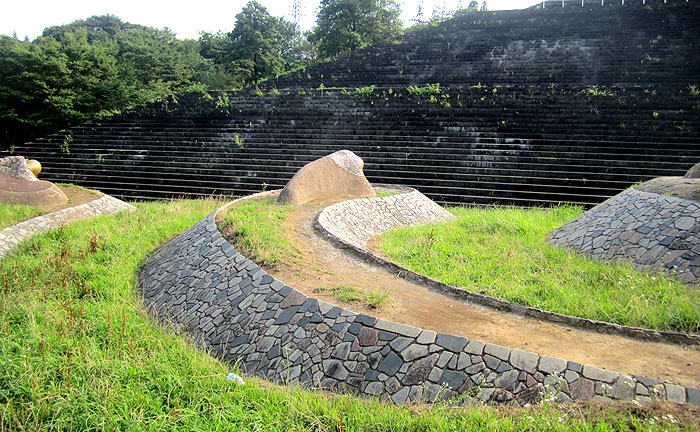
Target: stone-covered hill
point(525, 107)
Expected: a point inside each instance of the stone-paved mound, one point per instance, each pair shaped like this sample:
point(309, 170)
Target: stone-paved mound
point(647, 229)
point(17, 190)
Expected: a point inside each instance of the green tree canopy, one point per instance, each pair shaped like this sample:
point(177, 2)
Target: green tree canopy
point(256, 44)
point(345, 25)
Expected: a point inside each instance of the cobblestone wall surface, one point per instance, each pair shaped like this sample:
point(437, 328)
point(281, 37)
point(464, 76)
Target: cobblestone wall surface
point(11, 236)
point(356, 221)
point(647, 229)
point(200, 283)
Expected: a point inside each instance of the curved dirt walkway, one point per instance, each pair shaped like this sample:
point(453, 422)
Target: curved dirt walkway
point(321, 264)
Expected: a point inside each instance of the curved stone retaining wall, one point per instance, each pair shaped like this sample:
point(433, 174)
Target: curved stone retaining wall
point(646, 229)
point(356, 221)
point(11, 236)
point(199, 281)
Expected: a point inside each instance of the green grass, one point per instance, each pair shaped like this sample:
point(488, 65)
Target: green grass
point(11, 214)
point(255, 228)
point(79, 353)
point(350, 294)
point(501, 252)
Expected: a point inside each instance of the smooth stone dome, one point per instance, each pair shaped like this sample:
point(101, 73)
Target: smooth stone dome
point(336, 176)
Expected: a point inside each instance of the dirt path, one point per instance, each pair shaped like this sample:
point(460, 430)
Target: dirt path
point(323, 265)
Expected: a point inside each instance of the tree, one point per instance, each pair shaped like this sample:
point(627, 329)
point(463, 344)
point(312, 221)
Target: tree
point(345, 25)
point(256, 44)
point(48, 85)
point(99, 28)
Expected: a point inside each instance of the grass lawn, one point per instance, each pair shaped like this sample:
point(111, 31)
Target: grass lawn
point(78, 352)
point(11, 214)
point(501, 252)
point(255, 227)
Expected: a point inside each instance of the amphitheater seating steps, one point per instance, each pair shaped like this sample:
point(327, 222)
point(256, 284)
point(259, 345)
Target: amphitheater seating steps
point(533, 107)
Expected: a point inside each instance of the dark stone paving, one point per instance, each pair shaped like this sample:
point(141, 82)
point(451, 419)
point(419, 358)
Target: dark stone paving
point(199, 282)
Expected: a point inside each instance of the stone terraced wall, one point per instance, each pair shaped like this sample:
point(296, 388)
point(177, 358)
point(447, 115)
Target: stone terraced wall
point(200, 283)
point(647, 229)
point(356, 221)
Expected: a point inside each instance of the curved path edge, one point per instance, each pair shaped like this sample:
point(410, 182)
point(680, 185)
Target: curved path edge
point(13, 235)
point(200, 283)
point(326, 223)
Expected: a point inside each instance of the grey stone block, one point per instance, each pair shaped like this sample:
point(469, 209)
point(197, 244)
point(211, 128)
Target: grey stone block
point(523, 360)
point(550, 365)
point(453, 380)
point(491, 362)
point(375, 388)
point(391, 364)
point(413, 352)
point(365, 320)
point(444, 359)
point(342, 351)
point(400, 397)
point(501, 353)
point(624, 388)
point(392, 385)
point(648, 382)
point(402, 329)
point(508, 380)
point(400, 343)
point(335, 369)
point(597, 374)
point(693, 396)
point(426, 337)
point(464, 361)
point(675, 393)
point(475, 347)
point(386, 336)
point(451, 343)
point(571, 376)
point(582, 389)
point(418, 372)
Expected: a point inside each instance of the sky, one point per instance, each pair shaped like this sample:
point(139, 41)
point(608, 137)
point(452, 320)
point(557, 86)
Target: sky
point(29, 18)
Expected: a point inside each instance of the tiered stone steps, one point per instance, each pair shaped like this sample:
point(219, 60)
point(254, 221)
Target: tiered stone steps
point(613, 119)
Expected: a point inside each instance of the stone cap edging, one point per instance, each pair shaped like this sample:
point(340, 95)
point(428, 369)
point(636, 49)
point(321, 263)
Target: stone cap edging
point(202, 284)
point(503, 305)
point(13, 235)
point(356, 221)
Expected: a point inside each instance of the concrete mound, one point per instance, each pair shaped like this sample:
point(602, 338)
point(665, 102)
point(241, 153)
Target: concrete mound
point(18, 185)
point(336, 176)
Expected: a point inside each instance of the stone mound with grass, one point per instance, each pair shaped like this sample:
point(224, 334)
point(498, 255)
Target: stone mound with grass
point(654, 226)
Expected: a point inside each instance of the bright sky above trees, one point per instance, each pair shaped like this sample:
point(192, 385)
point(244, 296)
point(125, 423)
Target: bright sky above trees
point(29, 18)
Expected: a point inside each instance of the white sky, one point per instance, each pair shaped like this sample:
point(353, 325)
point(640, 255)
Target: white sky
point(29, 18)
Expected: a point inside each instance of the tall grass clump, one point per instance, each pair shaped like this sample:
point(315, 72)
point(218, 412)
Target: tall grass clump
point(11, 214)
point(255, 229)
point(79, 353)
point(501, 252)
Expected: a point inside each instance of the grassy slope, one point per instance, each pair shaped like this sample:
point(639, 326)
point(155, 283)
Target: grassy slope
point(12, 214)
point(502, 253)
point(255, 227)
point(78, 352)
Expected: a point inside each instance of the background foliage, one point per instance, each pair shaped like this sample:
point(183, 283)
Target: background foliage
point(101, 65)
